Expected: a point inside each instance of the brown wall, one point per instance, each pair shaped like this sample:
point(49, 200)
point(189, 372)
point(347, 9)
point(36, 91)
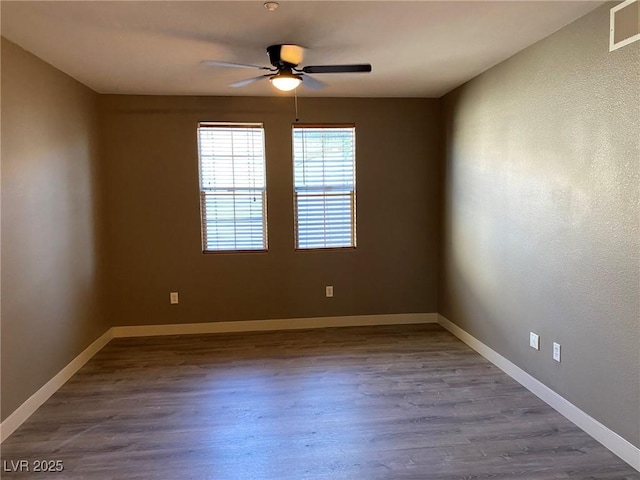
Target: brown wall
point(539, 222)
point(541, 217)
point(153, 235)
point(51, 280)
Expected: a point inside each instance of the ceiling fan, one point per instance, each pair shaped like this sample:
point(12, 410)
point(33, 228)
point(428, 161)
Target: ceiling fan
point(285, 74)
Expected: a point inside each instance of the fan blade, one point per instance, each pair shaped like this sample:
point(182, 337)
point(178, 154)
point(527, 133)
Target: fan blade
point(215, 63)
point(312, 83)
point(248, 81)
point(365, 68)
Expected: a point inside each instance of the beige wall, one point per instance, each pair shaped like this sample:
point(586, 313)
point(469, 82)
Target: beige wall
point(153, 233)
point(540, 227)
point(50, 223)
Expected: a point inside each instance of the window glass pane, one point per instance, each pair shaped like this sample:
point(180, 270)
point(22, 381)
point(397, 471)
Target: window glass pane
point(324, 184)
point(232, 187)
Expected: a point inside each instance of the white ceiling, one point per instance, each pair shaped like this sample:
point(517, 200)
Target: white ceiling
point(417, 48)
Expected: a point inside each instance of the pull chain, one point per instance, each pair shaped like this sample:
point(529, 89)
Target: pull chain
point(295, 97)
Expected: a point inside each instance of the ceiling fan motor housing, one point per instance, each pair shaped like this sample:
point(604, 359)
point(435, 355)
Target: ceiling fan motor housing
point(285, 56)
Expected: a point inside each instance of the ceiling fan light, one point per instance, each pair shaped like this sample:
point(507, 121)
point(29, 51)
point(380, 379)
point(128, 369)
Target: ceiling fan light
point(285, 82)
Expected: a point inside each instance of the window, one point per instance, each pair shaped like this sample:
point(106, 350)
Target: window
point(232, 187)
point(324, 186)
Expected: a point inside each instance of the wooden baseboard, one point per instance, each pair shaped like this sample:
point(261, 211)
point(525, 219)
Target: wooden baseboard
point(282, 324)
point(24, 411)
point(607, 437)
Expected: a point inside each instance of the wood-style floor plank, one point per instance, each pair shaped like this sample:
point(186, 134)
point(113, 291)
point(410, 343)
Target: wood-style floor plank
point(365, 403)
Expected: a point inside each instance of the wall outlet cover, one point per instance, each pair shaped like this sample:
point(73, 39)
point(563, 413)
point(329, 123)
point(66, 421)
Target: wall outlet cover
point(534, 340)
point(173, 298)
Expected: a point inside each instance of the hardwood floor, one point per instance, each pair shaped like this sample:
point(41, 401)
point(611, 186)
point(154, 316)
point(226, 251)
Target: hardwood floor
point(397, 402)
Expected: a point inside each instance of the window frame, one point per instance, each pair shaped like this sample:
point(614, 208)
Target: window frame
point(353, 194)
point(202, 192)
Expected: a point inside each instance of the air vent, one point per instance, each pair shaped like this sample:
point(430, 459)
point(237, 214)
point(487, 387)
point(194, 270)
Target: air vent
point(625, 24)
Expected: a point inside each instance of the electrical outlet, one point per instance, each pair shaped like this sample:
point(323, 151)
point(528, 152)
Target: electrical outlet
point(328, 291)
point(556, 351)
point(534, 340)
point(173, 298)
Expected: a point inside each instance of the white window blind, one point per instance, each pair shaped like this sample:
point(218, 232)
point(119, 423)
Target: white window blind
point(232, 187)
point(324, 186)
